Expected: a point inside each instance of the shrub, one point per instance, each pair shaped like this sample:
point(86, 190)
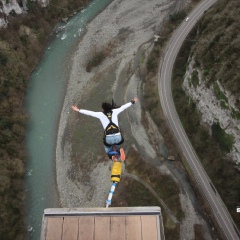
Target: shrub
point(224, 140)
point(177, 17)
point(95, 61)
point(235, 114)
point(194, 78)
point(98, 56)
point(3, 59)
point(218, 93)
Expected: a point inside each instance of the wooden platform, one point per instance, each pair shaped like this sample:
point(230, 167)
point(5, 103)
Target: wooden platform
point(137, 223)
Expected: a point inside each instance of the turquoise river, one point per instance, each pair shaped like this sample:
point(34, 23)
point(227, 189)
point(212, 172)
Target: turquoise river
point(43, 102)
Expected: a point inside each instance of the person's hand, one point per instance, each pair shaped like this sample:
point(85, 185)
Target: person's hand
point(135, 99)
point(75, 108)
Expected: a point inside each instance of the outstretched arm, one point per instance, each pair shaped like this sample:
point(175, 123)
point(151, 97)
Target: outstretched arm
point(134, 100)
point(75, 108)
point(87, 112)
point(125, 106)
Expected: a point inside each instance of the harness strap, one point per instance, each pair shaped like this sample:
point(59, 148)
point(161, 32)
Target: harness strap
point(116, 176)
point(111, 125)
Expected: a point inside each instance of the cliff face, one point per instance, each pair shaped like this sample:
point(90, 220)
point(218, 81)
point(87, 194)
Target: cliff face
point(11, 7)
point(215, 109)
point(212, 78)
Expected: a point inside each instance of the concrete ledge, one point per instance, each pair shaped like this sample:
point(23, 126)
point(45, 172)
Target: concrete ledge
point(103, 211)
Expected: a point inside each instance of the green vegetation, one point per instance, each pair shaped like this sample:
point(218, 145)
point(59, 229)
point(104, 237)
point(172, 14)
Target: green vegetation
point(21, 46)
point(224, 105)
point(212, 150)
point(218, 93)
point(219, 44)
point(3, 59)
point(220, 96)
point(224, 140)
point(178, 17)
point(235, 114)
point(217, 51)
point(194, 78)
point(213, 48)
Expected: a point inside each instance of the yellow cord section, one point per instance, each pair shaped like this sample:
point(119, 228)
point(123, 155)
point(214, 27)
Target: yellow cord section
point(116, 172)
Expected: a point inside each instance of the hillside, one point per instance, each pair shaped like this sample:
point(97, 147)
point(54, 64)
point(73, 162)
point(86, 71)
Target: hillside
point(206, 94)
point(21, 45)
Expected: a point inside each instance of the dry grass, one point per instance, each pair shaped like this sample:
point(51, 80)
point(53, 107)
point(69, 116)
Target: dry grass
point(162, 184)
point(99, 54)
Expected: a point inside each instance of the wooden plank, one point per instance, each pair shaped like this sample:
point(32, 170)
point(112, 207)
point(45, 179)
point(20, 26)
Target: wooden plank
point(70, 228)
point(86, 228)
point(133, 228)
point(149, 227)
point(118, 228)
point(54, 228)
point(102, 228)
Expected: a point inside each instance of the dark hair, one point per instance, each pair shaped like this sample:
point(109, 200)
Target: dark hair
point(107, 107)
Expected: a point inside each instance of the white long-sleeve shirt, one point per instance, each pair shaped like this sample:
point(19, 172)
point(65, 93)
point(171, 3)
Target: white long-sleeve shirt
point(103, 118)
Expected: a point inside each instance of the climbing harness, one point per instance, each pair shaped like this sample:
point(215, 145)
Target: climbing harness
point(111, 129)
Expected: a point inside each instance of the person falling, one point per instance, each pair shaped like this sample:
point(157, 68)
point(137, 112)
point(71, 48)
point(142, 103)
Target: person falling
point(109, 118)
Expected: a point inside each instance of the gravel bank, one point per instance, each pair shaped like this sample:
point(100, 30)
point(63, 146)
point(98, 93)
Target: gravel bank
point(138, 21)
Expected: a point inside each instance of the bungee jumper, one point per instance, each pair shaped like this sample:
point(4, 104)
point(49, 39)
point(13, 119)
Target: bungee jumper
point(112, 138)
point(112, 134)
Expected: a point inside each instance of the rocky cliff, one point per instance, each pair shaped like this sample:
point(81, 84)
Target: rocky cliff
point(212, 72)
point(216, 104)
point(12, 7)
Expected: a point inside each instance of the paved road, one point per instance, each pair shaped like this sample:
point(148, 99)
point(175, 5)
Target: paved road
point(219, 210)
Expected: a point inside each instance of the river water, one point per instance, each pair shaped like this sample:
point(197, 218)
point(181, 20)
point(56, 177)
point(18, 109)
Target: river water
point(43, 102)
